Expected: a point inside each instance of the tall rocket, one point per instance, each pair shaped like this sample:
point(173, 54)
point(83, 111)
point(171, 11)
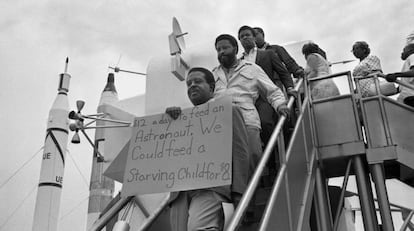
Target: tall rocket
point(101, 187)
point(53, 161)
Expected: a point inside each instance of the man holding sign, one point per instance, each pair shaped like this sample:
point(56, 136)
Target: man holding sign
point(201, 209)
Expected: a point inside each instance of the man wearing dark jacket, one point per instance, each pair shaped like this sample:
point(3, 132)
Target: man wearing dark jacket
point(276, 71)
point(288, 61)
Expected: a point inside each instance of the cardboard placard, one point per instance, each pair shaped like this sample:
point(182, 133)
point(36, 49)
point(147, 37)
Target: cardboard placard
point(191, 152)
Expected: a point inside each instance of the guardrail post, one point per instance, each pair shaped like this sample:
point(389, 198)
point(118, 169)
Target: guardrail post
point(365, 195)
point(322, 201)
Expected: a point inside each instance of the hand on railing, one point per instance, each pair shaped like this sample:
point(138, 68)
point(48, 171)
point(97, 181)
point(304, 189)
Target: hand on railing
point(391, 77)
point(283, 110)
point(254, 181)
point(292, 92)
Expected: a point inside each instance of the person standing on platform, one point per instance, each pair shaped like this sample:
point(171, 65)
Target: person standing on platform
point(368, 64)
point(318, 66)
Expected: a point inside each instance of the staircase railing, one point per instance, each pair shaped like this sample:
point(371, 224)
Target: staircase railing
point(282, 172)
point(300, 158)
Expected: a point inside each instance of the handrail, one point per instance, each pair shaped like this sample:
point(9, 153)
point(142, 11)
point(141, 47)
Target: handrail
point(148, 222)
point(372, 75)
point(248, 195)
point(328, 76)
point(379, 74)
point(342, 196)
point(281, 174)
point(407, 85)
point(407, 221)
point(101, 222)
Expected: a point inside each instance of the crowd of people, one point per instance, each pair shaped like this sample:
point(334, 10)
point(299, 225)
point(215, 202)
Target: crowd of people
point(259, 83)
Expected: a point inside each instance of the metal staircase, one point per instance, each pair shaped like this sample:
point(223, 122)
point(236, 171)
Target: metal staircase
point(339, 135)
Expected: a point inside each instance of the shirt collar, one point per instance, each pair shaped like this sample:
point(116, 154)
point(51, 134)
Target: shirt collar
point(253, 50)
point(265, 45)
point(235, 65)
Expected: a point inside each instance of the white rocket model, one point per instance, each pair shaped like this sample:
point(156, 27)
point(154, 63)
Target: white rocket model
point(53, 161)
point(101, 187)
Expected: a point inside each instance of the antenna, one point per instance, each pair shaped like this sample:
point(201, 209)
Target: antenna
point(117, 69)
point(342, 62)
point(177, 45)
point(66, 64)
point(176, 38)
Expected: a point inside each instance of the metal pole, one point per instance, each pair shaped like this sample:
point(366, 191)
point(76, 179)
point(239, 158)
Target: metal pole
point(254, 181)
point(102, 221)
point(152, 217)
point(407, 221)
point(382, 196)
point(365, 195)
point(323, 208)
point(341, 198)
point(315, 209)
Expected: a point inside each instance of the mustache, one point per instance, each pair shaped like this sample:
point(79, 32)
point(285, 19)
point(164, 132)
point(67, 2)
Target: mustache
point(193, 88)
point(228, 56)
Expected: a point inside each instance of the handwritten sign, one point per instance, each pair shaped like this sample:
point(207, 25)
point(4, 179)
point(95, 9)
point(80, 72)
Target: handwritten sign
point(191, 152)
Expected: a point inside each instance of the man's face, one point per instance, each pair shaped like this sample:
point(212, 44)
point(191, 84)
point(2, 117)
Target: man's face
point(198, 90)
point(259, 37)
point(226, 53)
point(247, 39)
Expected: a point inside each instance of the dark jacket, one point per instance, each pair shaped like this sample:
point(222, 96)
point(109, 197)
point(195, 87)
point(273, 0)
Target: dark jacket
point(274, 68)
point(277, 72)
point(287, 60)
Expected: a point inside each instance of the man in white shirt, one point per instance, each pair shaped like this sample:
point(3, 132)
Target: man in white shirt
point(244, 82)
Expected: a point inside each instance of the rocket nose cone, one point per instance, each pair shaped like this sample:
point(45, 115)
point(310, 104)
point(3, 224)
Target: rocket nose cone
point(110, 85)
point(111, 78)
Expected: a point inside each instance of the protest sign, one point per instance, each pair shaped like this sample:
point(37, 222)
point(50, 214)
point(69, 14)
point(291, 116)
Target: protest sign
point(191, 152)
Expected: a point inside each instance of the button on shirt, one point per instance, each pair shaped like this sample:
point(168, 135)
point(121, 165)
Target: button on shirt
point(244, 84)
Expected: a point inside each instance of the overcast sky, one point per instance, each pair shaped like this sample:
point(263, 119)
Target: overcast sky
point(37, 36)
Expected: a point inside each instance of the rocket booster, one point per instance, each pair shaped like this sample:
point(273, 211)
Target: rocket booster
point(101, 187)
point(53, 161)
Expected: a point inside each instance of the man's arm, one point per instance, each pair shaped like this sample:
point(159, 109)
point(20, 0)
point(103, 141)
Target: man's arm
point(406, 74)
point(268, 90)
point(290, 63)
point(284, 75)
point(281, 70)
